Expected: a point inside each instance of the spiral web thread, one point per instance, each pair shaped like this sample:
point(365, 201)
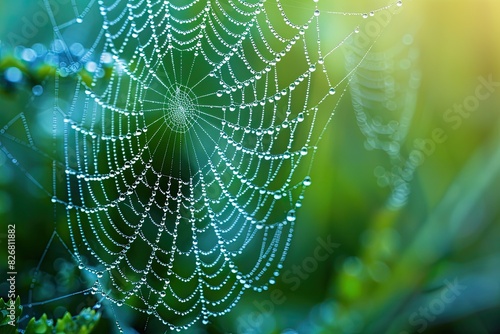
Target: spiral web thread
point(384, 92)
point(181, 142)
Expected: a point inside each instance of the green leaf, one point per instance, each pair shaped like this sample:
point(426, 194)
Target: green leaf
point(81, 324)
point(41, 326)
point(9, 321)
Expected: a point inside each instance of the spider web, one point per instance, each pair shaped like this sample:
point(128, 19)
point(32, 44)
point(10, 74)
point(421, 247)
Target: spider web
point(384, 90)
point(186, 133)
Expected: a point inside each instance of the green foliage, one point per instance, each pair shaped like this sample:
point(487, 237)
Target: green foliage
point(8, 323)
point(83, 323)
point(40, 326)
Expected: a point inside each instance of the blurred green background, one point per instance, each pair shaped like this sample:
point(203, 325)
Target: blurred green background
point(431, 265)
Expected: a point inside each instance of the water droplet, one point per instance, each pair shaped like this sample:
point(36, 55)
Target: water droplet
point(37, 90)
point(13, 74)
point(307, 181)
point(291, 216)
